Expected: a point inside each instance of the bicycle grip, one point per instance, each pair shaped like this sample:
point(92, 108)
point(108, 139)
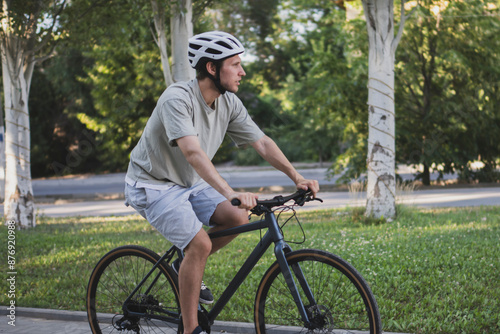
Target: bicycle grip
point(235, 202)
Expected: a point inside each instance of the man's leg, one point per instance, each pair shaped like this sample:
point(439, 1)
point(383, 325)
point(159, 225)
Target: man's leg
point(171, 213)
point(225, 216)
point(195, 258)
point(214, 210)
point(190, 277)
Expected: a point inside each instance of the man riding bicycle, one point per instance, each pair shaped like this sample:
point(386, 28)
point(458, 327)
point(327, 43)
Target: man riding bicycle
point(171, 180)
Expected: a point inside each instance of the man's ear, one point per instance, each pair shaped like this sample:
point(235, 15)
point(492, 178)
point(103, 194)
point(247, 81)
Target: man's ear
point(211, 68)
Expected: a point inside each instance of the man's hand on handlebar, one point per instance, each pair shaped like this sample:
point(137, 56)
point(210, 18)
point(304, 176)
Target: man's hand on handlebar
point(246, 200)
point(299, 198)
point(311, 185)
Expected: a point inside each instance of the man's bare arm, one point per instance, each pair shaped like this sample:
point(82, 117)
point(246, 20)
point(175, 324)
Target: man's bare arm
point(268, 150)
point(194, 154)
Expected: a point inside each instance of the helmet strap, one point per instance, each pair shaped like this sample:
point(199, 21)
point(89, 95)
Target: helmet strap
point(216, 79)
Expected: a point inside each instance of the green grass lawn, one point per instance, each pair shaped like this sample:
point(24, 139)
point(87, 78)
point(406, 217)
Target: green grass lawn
point(432, 271)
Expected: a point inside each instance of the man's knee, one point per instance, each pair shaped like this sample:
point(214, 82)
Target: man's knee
point(235, 218)
point(227, 215)
point(201, 244)
point(241, 217)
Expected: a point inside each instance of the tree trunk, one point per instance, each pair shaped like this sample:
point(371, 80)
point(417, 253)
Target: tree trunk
point(161, 40)
point(181, 26)
point(381, 187)
point(18, 44)
point(19, 204)
point(426, 176)
point(2, 154)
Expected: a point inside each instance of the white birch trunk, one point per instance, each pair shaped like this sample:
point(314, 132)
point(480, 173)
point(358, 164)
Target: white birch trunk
point(18, 46)
point(181, 26)
point(381, 187)
point(19, 203)
point(161, 40)
point(2, 154)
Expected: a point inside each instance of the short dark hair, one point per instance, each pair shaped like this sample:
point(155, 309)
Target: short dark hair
point(201, 67)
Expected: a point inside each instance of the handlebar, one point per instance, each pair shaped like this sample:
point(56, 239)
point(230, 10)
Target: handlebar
point(300, 197)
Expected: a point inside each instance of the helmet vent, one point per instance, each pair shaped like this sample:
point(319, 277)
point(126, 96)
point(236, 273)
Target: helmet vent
point(194, 46)
point(224, 44)
point(213, 51)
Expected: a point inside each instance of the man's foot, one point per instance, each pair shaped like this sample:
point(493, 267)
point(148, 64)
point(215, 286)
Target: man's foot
point(198, 330)
point(206, 296)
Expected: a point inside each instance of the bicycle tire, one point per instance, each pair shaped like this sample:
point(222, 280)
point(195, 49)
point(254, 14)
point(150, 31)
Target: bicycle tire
point(344, 301)
point(115, 277)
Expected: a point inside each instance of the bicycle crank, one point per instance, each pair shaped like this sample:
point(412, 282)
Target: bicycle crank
point(126, 324)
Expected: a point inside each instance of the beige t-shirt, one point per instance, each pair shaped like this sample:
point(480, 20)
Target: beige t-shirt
point(182, 111)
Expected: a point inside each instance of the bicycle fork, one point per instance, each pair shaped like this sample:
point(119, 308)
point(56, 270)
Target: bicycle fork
point(280, 250)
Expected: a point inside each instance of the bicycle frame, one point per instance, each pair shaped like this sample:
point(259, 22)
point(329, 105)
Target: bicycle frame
point(281, 248)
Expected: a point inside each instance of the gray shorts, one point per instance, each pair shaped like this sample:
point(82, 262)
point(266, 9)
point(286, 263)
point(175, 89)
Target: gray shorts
point(178, 213)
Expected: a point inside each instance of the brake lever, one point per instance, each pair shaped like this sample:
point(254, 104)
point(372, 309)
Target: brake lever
point(317, 199)
point(308, 198)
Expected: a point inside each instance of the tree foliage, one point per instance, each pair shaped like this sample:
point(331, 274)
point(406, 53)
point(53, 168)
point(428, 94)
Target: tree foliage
point(305, 86)
point(60, 142)
point(315, 78)
point(124, 71)
point(448, 88)
point(126, 83)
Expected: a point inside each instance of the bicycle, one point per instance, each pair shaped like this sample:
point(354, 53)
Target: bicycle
point(133, 289)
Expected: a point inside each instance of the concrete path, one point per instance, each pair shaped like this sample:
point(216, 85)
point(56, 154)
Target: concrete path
point(46, 321)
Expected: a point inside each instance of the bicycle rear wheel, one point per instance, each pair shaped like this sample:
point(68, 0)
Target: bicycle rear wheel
point(341, 300)
point(115, 277)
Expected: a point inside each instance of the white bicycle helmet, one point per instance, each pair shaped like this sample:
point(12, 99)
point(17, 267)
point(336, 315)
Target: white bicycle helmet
point(214, 45)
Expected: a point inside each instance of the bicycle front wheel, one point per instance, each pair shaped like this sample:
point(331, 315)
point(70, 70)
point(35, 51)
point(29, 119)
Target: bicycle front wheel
point(335, 296)
point(114, 279)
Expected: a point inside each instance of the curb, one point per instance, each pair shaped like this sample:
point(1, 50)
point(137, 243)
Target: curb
point(48, 314)
point(81, 316)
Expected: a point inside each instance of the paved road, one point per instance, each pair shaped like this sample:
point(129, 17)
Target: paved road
point(103, 185)
point(237, 177)
point(104, 192)
point(422, 198)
